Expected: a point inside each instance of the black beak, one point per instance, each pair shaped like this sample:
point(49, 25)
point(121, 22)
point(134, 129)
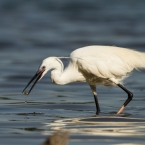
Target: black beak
point(37, 76)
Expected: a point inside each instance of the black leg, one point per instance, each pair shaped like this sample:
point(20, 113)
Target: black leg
point(97, 104)
point(130, 96)
point(93, 87)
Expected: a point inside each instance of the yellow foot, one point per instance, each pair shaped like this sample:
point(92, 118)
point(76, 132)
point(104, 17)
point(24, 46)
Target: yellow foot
point(121, 109)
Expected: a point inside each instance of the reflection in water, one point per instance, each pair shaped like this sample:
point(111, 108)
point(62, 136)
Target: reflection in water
point(102, 126)
point(58, 138)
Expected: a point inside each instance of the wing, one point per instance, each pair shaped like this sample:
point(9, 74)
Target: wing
point(105, 61)
point(103, 66)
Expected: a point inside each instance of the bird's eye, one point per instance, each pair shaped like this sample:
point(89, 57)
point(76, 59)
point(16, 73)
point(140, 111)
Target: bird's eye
point(43, 67)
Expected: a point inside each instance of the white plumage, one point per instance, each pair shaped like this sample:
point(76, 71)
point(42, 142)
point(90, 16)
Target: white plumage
point(96, 65)
point(107, 62)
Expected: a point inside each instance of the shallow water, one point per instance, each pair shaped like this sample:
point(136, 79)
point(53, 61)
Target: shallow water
point(31, 31)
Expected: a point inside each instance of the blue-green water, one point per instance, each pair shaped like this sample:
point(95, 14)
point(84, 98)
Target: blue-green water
point(33, 30)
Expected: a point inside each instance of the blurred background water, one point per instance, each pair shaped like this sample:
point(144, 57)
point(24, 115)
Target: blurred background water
point(33, 30)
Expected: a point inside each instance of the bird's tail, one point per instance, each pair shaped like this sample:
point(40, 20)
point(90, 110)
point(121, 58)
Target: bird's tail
point(138, 60)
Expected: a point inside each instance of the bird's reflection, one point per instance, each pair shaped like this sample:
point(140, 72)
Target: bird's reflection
point(58, 138)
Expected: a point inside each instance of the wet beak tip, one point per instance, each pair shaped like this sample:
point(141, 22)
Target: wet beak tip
point(37, 76)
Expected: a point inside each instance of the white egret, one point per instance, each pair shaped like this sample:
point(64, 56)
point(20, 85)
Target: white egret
point(96, 65)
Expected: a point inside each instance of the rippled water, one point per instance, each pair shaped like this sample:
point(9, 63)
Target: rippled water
point(33, 30)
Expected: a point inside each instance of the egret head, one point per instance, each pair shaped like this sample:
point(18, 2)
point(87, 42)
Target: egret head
point(46, 65)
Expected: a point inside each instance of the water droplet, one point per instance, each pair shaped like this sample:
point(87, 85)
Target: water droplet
point(25, 99)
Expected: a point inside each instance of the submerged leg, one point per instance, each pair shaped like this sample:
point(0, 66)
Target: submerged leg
point(93, 87)
point(130, 96)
